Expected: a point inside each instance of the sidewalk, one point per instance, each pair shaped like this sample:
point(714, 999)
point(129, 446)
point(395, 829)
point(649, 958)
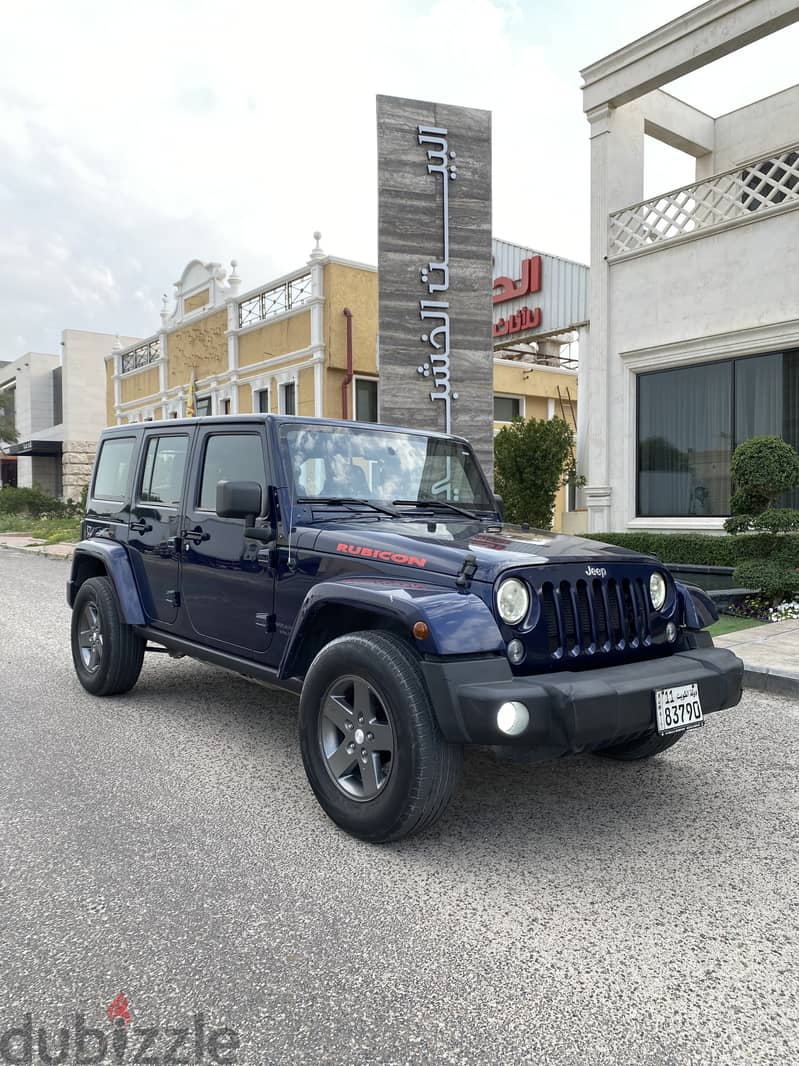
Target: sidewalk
point(770, 654)
point(24, 542)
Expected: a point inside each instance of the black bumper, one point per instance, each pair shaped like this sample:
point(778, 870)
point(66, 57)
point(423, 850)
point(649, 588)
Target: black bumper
point(577, 711)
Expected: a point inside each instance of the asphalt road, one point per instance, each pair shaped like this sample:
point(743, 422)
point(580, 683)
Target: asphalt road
point(165, 845)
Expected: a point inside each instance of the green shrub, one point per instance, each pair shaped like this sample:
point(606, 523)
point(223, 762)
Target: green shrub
point(763, 468)
point(32, 502)
point(775, 580)
point(532, 459)
point(701, 549)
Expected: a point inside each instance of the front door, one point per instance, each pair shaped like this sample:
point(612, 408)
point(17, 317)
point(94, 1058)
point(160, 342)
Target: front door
point(155, 522)
point(226, 590)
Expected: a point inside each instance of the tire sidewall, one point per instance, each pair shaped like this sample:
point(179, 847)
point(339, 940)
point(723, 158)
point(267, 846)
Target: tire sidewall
point(396, 686)
point(91, 591)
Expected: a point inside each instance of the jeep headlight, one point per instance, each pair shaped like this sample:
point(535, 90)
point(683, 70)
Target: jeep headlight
point(657, 590)
point(513, 600)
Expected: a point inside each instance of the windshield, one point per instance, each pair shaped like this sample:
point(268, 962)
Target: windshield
point(334, 462)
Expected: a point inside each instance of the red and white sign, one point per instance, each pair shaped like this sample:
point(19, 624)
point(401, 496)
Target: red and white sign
point(507, 289)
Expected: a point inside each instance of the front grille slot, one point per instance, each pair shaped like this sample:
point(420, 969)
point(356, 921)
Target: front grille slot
point(601, 615)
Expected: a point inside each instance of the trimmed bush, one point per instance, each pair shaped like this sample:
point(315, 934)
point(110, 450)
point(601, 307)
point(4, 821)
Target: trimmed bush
point(763, 468)
point(774, 579)
point(701, 549)
point(531, 461)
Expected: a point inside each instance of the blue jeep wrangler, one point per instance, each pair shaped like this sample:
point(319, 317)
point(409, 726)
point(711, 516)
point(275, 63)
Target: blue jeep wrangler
point(368, 569)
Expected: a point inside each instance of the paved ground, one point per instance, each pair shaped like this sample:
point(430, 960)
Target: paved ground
point(165, 844)
point(771, 654)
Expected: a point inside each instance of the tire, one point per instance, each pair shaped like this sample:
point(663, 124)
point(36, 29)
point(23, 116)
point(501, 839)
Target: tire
point(641, 748)
point(399, 773)
point(106, 651)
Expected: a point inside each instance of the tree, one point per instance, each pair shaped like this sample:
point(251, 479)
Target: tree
point(8, 432)
point(532, 460)
point(764, 468)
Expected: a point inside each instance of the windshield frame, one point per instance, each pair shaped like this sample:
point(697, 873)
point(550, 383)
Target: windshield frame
point(482, 509)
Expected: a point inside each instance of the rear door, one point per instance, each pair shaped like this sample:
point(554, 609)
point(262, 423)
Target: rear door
point(226, 590)
point(155, 521)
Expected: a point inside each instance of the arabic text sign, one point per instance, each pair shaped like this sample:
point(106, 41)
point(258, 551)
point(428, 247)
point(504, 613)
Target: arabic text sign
point(434, 207)
point(535, 295)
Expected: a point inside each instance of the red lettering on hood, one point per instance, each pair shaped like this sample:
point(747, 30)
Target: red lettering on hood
point(382, 554)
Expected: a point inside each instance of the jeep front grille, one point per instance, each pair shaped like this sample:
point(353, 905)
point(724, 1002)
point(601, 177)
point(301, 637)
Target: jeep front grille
point(586, 617)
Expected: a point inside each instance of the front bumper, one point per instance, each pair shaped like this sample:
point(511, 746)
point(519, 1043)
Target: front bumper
point(578, 711)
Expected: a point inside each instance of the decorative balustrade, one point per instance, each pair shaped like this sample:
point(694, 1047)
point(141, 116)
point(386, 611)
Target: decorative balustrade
point(276, 300)
point(760, 185)
point(141, 356)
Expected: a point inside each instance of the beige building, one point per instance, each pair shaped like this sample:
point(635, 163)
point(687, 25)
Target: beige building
point(304, 343)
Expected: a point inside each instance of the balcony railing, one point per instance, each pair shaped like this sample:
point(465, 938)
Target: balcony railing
point(143, 355)
point(760, 185)
point(275, 301)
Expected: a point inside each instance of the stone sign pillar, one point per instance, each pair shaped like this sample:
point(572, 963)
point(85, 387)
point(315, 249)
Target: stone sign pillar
point(434, 269)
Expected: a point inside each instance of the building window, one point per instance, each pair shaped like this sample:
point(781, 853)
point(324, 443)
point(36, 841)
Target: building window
point(691, 419)
point(506, 408)
point(262, 401)
point(288, 394)
point(365, 400)
point(202, 406)
point(226, 407)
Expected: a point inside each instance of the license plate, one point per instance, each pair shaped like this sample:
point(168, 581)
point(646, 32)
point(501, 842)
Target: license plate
point(678, 708)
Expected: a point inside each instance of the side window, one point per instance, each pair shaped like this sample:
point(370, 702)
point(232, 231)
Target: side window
point(230, 457)
point(113, 467)
point(164, 463)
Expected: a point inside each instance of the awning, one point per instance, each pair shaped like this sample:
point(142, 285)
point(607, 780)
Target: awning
point(36, 447)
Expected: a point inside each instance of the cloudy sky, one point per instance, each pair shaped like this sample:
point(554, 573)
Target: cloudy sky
point(135, 137)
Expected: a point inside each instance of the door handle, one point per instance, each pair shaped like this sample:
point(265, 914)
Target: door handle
point(141, 526)
point(196, 536)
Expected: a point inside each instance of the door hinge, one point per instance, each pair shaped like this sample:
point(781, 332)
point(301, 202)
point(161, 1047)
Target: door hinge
point(265, 621)
point(172, 597)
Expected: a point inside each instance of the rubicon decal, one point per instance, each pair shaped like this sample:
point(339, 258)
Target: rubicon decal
point(382, 556)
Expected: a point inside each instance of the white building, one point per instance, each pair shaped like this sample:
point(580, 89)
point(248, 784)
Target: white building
point(694, 338)
point(59, 410)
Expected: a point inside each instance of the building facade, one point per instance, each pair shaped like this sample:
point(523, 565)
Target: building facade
point(694, 340)
point(305, 343)
point(59, 409)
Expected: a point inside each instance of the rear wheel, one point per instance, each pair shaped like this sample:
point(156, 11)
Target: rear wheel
point(642, 748)
point(106, 651)
point(372, 750)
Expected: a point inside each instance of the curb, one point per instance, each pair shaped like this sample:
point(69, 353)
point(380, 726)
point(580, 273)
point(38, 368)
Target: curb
point(762, 679)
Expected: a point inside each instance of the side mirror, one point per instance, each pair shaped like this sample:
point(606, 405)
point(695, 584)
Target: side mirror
point(499, 503)
point(242, 499)
point(238, 499)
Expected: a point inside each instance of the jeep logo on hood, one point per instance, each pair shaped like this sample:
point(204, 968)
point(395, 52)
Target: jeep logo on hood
point(596, 571)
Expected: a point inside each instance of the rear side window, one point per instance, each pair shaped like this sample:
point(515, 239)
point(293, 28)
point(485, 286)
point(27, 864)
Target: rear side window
point(113, 467)
point(164, 463)
point(230, 457)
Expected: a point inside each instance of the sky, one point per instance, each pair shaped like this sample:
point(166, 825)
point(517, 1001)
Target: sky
point(136, 137)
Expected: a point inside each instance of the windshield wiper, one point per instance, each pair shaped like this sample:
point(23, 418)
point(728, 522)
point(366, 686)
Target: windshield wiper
point(426, 501)
point(345, 501)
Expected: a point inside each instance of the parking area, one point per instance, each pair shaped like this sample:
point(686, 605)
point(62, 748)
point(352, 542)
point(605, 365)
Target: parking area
point(165, 845)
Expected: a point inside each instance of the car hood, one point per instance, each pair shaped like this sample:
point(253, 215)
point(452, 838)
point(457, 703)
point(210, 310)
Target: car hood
point(441, 547)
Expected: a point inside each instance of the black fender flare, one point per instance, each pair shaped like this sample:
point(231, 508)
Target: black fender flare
point(117, 566)
point(459, 622)
point(697, 608)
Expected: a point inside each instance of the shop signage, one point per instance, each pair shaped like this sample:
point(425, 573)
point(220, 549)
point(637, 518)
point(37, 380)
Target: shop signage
point(507, 289)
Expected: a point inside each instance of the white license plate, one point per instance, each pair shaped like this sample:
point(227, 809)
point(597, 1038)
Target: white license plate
point(678, 708)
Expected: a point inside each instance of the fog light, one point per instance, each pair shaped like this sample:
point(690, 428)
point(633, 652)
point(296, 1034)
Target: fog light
point(513, 718)
point(515, 652)
point(671, 632)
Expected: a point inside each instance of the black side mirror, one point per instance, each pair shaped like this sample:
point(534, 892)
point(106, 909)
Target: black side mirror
point(238, 499)
point(499, 503)
point(242, 499)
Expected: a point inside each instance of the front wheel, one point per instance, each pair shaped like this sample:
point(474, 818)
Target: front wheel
point(106, 651)
point(642, 748)
point(370, 745)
